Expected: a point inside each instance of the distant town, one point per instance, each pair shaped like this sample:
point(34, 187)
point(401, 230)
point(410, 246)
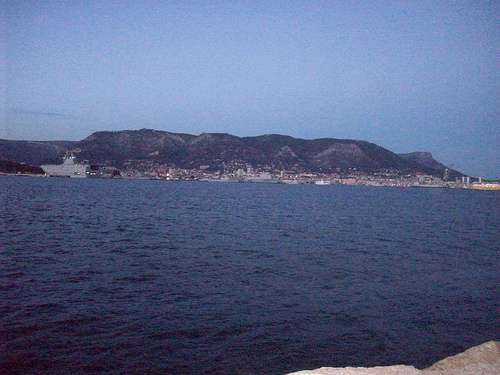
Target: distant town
point(220, 157)
point(134, 169)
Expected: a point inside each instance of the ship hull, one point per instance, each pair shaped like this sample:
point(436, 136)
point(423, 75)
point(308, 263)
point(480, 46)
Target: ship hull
point(486, 187)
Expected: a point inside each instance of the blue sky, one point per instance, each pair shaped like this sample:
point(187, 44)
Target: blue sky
point(406, 75)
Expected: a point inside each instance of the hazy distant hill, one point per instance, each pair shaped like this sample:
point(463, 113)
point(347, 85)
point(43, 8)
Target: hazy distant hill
point(32, 152)
point(8, 166)
point(424, 158)
point(216, 151)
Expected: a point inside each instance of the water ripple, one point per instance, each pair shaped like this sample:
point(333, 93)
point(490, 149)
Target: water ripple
point(162, 277)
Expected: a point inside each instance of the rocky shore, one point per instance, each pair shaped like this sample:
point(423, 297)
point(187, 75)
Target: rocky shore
point(479, 360)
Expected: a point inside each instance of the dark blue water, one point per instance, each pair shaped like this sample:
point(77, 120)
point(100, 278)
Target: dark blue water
point(128, 276)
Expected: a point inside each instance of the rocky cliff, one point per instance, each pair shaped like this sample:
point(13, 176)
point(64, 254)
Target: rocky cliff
point(424, 158)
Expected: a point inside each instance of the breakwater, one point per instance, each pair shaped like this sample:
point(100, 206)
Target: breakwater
point(480, 360)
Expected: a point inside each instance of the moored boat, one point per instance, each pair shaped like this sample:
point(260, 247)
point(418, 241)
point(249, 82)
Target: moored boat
point(486, 186)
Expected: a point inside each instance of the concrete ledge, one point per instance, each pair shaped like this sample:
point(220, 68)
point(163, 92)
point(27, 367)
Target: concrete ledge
point(479, 360)
point(489, 352)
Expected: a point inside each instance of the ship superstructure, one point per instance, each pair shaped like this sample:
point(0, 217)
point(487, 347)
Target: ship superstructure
point(69, 168)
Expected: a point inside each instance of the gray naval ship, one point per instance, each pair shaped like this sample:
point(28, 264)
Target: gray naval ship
point(69, 168)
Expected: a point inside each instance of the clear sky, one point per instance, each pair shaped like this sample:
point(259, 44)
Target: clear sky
point(406, 75)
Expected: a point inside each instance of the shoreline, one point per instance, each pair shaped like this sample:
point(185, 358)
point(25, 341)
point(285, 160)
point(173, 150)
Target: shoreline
point(483, 359)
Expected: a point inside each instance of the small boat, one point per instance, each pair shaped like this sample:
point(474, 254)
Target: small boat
point(322, 182)
point(486, 186)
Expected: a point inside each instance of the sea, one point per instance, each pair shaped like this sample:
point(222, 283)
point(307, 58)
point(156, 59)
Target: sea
point(165, 277)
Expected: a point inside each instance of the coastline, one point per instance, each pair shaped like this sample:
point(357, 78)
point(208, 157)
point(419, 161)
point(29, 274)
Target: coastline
point(483, 359)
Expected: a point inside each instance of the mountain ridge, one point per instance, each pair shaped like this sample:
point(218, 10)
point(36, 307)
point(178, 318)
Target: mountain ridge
point(32, 152)
point(425, 158)
point(222, 151)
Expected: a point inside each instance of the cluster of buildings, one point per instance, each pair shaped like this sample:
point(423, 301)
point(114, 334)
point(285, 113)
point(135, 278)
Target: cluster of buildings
point(264, 174)
point(268, 175)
